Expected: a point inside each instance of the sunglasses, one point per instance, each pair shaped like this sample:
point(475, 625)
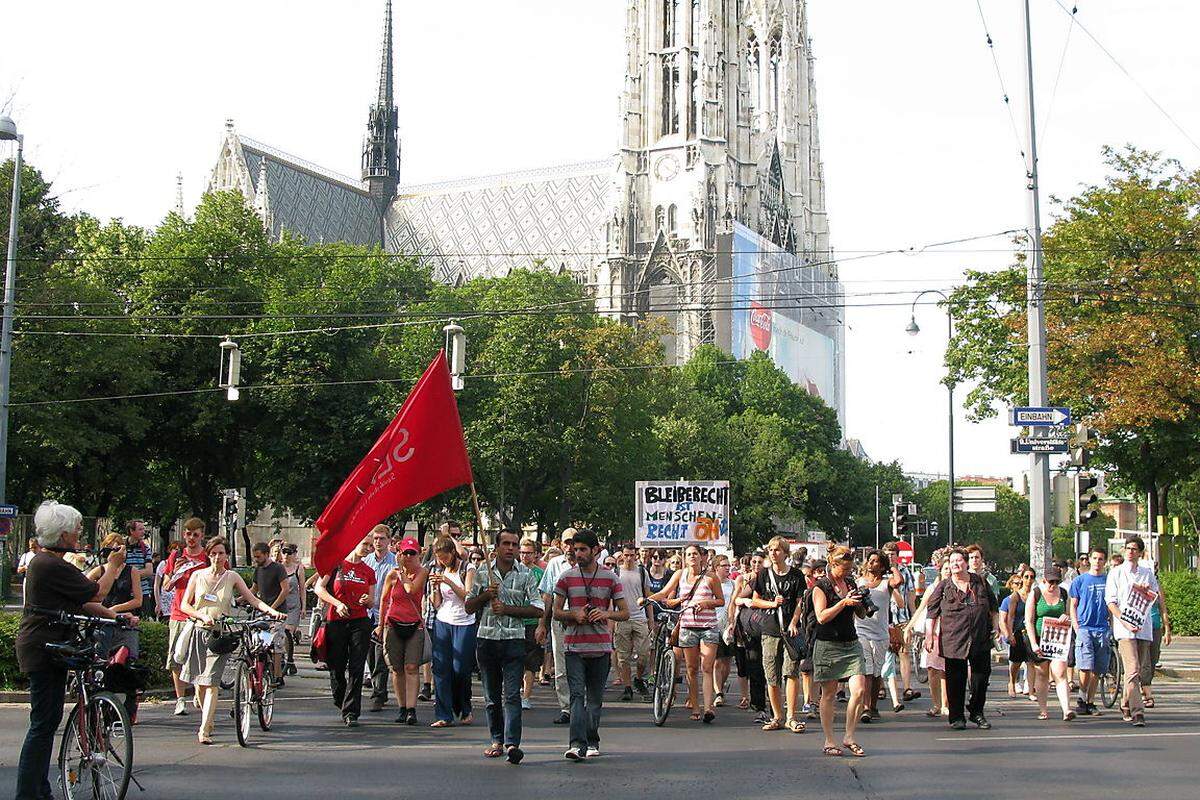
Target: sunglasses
point(408, 552)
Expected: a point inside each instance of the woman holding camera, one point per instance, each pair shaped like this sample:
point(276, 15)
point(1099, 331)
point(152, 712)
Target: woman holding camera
point(208, 597)
point(837, 653)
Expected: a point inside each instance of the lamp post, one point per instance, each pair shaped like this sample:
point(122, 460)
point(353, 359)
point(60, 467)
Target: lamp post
point(8, 132)
point(913, 329)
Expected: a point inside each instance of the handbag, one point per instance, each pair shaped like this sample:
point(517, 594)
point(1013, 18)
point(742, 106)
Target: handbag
point(222, 644)
point(427, 650)
point(895, 638)
point(797, 648)
point(183, 642)
point(317, 651)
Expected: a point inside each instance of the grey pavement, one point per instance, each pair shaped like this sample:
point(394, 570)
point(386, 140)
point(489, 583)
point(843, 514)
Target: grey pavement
point(310, 754)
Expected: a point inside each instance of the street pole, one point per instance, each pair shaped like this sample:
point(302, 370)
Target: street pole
point(877, 516)
point(1039, 463)
point(9, 131)
point(913, 329)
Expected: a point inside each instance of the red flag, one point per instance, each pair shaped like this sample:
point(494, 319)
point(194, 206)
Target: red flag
point(419, 455)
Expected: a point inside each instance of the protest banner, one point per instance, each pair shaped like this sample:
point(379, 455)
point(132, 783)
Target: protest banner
point(1137, 606)
point(679, 513)
point(1056, 639)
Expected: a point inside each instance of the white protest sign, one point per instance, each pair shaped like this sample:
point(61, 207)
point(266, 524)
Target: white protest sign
point(1056, 640)
point(1137, 606)
point(679, 513)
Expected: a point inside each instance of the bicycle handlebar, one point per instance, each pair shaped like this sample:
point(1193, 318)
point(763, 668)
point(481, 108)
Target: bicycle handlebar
point(662, 609)
point(75, 619)
point(262, 622)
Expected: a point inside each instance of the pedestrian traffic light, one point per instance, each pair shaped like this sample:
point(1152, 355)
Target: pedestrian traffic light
point(904, 519)
point(1086, 498)
point(933, 528)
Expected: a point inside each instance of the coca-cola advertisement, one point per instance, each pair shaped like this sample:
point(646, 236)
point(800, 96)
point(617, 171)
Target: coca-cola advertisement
point(760, 326)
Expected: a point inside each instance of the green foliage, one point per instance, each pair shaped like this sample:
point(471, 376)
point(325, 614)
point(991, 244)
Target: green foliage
point(1181, 591)
point(152, 640)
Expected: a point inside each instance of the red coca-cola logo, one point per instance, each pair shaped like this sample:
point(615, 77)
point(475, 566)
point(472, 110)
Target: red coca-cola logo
point(760, 325)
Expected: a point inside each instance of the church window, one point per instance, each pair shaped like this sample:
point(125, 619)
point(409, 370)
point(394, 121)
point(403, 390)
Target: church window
point(670, 25)
point(752, 72)
point(670, 94)
point(695, 106)
point(660, 219)
point(695, 31)
point(672, 213)
point(776, 54)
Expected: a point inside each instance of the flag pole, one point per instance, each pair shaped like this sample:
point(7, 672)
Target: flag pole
point(487, 556)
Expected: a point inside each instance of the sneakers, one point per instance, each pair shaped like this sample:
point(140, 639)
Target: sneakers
point(1092, 711)
point(181, 707)
point(980, 721)
point(525, 704)
point(627, 695)
point(574, 754)
point(593, 752)
point(377, 705)
point(959, 724)
point(1081, 707)
point(809, 711)
point(563, 718)
point(351, 722)
point(639, 686)
point(426, 693)
point(514, 754)
point(865, 717)
point(875, 715)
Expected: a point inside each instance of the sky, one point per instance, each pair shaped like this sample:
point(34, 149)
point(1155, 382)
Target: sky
point(115, 99)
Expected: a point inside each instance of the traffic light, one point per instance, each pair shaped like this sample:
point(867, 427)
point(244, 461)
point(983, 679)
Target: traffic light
point(1079, 440)
point(1086, 498)
point(904, 519)
point(933, 528)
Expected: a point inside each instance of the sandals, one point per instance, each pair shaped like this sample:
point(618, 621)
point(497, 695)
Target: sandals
point(909, 695)
point(932, 713)
point(795, 726)
point(830, 750)
point(1044, 715)
point(855, 749)
point(709, 716)
point(494, 751)
point(1148, 702)
point(744, 704)
point(441, 723)
point(773, 725)
point(696, 716)
point(719, 700)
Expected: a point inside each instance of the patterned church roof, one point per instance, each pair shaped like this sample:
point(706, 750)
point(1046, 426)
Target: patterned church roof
point(494, 224)
point(308, 200)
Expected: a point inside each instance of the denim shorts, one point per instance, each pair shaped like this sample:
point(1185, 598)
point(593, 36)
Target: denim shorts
point(692, 637)
point(1091, 650)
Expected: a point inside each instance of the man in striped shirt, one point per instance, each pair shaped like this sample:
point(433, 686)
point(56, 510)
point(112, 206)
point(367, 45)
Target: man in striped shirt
point(586, 598)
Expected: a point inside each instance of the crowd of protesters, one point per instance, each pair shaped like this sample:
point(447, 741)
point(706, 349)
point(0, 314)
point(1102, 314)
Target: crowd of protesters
point(794, 638)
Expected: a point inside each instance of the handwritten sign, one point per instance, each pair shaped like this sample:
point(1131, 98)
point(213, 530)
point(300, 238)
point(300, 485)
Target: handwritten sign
point(1056, 640)
point(679, 513)
point(1137, 606)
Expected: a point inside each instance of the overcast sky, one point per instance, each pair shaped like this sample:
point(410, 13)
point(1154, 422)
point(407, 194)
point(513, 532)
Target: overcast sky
point(116, 98)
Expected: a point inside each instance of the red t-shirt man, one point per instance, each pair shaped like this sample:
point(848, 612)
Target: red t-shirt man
point(180, 566)
point(353, 580)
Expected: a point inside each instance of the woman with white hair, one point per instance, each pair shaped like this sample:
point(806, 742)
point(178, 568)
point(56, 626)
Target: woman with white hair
point(52, 584)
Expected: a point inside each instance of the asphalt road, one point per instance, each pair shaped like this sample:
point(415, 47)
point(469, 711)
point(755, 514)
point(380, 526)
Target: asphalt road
point(309, 754)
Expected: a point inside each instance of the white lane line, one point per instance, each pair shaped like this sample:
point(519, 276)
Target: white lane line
point(1064, 736)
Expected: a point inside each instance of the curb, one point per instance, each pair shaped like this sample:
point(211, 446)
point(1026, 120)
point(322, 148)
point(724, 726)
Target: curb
point(1179, 674)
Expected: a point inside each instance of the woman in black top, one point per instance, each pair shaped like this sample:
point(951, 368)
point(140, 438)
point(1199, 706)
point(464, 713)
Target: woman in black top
point(837, 653)
point(125, 597)
point(969, 613)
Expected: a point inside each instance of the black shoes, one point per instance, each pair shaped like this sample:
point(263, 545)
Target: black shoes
point(980, 722)
point(959, 724)
point(351, 722)
point(563, 718)
point(627, 695)
point(426, 693)
point(407, 716)
point(639, 686)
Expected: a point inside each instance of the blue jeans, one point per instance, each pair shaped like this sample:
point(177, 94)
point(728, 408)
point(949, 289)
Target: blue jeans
point(453, 656)
point(502, 666)
point(47, 691)
point(586, 678)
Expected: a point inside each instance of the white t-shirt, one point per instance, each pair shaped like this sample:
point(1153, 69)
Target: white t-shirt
point(453, 609)
point(875, 627)
point(723, 611)
point(1116, 590)
point(631, 583)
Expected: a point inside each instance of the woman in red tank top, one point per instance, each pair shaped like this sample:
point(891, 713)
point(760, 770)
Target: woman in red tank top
point(401, 627)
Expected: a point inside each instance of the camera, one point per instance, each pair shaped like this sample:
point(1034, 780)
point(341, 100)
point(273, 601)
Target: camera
point(863, 595)
point(104, 553)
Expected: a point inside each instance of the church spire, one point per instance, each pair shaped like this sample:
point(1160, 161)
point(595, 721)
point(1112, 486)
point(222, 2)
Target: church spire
point(381, 148)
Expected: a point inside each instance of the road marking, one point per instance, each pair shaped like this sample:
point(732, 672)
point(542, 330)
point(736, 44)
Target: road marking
point(1063, 736)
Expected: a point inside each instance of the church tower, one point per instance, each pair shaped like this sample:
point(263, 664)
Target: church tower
point(719, 126)
point(381, 147)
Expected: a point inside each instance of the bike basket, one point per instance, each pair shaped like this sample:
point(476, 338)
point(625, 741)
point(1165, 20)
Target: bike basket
point(222, 644)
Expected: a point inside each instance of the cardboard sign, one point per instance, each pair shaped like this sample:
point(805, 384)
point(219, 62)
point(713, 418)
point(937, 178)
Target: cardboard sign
point(1056, 640)
point(679, 513)
point(1137, 606)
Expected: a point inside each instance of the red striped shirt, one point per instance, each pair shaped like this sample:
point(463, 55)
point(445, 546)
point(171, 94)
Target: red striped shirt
point(583, 590)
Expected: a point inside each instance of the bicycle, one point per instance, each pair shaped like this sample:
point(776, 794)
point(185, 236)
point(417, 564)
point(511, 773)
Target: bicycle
point(663, 678)
point(253, 686)
point(1112, 680)
point(95, 756)
point(916, 646)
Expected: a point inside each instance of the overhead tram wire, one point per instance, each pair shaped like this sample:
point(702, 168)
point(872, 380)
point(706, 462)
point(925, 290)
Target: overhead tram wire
point(1058, 76)
point(1000, 77)
point(1166, 114)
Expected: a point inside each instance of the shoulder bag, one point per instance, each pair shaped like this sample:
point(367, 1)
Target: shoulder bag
point(797, 648)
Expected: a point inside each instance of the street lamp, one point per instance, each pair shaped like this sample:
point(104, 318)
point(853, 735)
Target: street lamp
point(912, 330)
point(8, 132)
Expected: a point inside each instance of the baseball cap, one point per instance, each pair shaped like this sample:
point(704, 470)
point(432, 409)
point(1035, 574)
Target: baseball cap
point(568, 535)
point(409, 543)
point(1053, 574)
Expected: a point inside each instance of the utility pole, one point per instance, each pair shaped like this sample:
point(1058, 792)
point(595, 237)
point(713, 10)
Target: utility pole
point(877, 516)
point(1039, 463)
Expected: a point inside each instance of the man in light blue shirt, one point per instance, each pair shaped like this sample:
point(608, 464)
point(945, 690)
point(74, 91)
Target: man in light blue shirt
point(382, 560)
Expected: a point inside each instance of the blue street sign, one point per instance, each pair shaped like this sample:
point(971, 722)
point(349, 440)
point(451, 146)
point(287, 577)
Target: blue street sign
point(1041, 417)
point(1033, 444)
point(9, 511)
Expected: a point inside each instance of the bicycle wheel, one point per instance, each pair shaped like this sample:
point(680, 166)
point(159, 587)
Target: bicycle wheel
point(242, 699)
point(915, 646)
point(95, 761)
point(664, 685)
point(1114, 678)
point(265, 691)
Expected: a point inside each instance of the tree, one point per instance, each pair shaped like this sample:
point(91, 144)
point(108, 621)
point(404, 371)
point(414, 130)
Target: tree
point(1123, 337)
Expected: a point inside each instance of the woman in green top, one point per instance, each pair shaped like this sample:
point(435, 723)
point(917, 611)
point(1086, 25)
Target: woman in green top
point(1048, 601)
